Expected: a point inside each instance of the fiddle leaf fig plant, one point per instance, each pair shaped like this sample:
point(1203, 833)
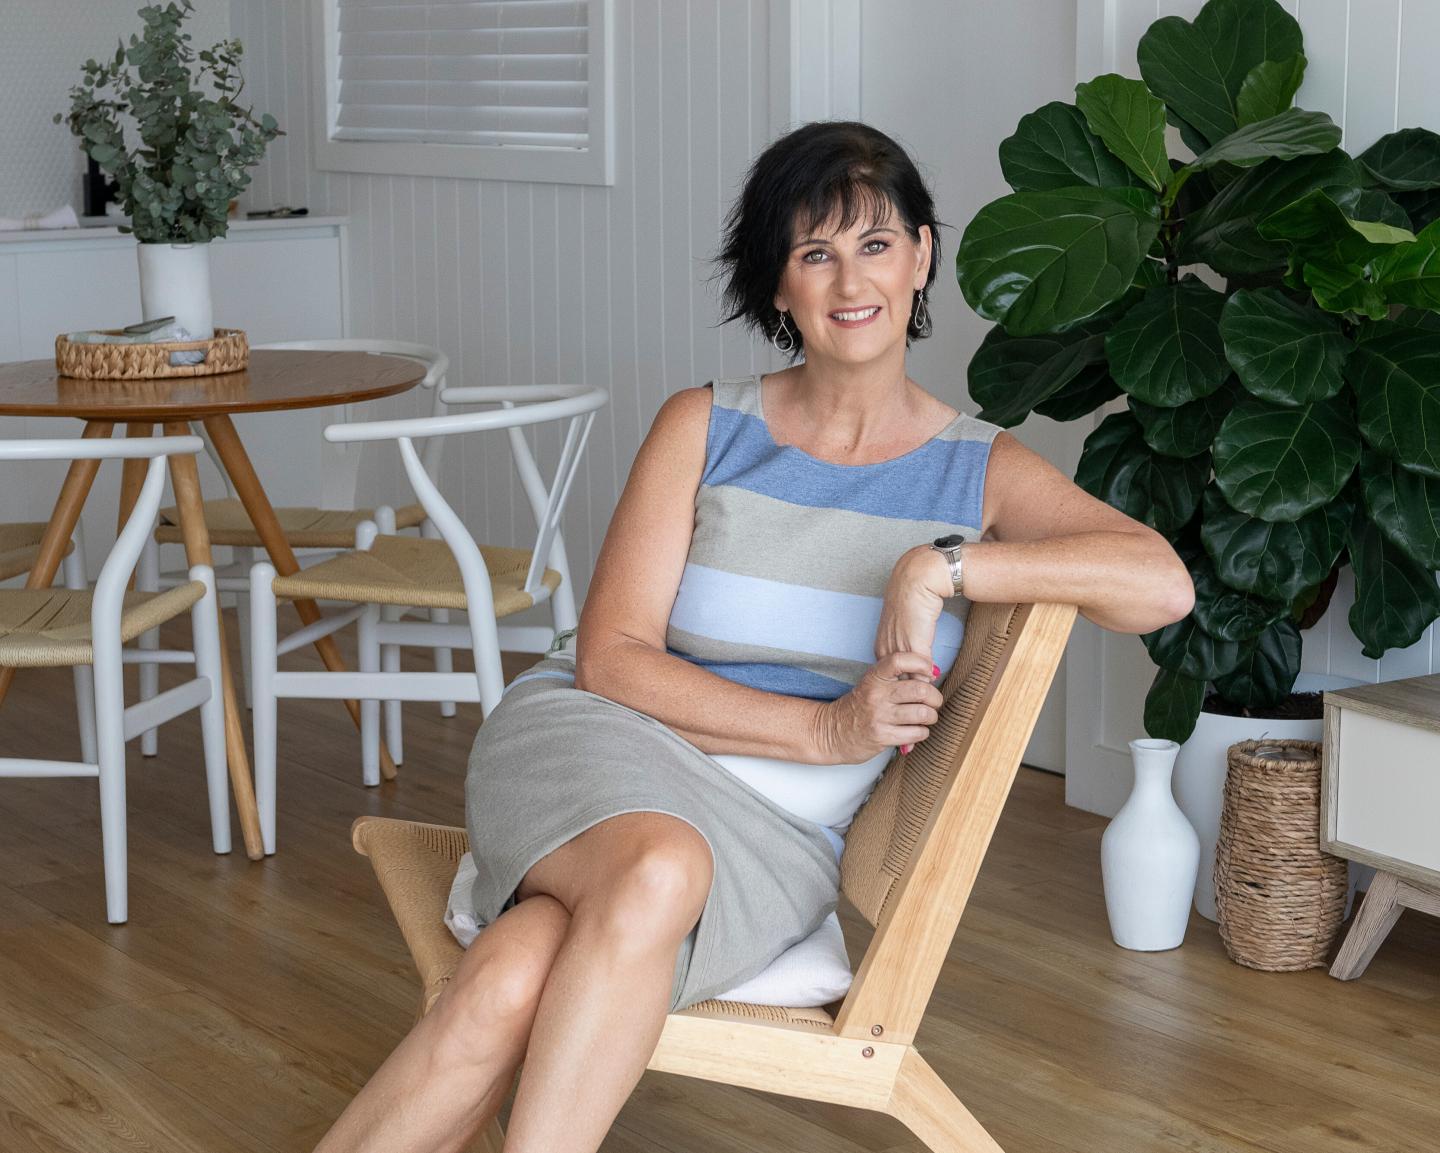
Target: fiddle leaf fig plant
point(1268, 307)
point(195, 148)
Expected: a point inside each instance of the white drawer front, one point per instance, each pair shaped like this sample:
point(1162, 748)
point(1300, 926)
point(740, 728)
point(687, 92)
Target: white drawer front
point(1388, 792)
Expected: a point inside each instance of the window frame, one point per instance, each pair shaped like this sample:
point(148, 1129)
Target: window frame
point(595, 165)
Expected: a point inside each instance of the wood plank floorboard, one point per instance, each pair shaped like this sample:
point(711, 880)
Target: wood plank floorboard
point(246, 1002)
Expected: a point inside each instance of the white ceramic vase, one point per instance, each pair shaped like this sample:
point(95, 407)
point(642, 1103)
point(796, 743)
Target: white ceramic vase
point(1204, 761)
point(175, 281)
point(1148, 856)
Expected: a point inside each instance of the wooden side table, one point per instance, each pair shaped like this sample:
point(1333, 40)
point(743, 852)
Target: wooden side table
point(1380, 803)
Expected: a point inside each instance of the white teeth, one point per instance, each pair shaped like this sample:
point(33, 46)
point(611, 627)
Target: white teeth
point(863, 314)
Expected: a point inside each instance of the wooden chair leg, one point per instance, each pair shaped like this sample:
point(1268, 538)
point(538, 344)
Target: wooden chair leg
point(927, 1107)
point(1377, 916)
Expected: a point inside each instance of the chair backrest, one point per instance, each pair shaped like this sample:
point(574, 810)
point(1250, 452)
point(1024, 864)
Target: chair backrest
point(120, 563)
point(524, 405)
point(342, 472)
point(914, 849)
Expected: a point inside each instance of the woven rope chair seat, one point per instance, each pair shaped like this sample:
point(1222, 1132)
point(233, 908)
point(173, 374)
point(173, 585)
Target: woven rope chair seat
point(415, 864)
point(51, 627)
point(229, 524)
point(18, 548)
point(414, 571)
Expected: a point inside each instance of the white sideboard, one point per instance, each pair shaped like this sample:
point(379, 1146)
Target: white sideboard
point(278, 280)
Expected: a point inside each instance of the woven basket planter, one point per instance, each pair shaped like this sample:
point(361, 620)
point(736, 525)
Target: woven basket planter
point(1281, 899)
point(226, 351)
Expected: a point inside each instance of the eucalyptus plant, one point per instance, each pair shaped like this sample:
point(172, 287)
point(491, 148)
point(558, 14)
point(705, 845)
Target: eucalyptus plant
point(1269, 308)
point(195, 147)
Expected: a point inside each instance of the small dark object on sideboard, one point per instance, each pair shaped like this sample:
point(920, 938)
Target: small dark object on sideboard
point(98, 190)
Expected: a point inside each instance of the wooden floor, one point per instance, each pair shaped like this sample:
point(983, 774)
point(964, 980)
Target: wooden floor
point(245, 1003)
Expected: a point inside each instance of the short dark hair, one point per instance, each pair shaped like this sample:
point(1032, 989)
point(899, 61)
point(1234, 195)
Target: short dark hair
point(807, 176)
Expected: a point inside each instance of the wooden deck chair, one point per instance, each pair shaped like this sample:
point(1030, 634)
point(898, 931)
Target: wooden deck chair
point(910, 861)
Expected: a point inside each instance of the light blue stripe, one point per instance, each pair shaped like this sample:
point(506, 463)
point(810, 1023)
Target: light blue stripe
point(942, 480)
point(746, 610)
point(523, 677)
point(771, 678)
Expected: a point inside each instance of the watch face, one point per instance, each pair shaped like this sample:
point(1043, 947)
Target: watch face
point(952, 541)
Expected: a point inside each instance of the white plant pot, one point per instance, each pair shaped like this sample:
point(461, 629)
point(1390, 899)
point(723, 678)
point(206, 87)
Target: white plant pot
point(175, 281)
point(1148, 857)
point(1203, 762)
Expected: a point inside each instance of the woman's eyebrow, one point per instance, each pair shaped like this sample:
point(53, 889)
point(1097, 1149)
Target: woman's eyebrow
point(879, 228)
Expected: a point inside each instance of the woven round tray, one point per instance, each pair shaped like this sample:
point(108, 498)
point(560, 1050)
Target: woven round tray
point(226, 351)
point(1280, 898)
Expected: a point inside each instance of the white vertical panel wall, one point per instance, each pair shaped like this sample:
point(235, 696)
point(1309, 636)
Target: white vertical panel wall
point(533, 283)
point(1371, 68)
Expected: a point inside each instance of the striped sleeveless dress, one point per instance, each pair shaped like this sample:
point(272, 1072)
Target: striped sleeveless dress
point(781, 591)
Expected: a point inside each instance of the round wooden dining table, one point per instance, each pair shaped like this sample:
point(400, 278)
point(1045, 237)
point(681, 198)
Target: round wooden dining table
point(273, 381)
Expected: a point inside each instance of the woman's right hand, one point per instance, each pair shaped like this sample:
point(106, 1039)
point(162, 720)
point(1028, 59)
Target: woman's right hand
point(895, 703)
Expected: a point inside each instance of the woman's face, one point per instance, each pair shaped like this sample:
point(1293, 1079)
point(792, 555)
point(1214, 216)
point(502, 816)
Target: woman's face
point(851, 293)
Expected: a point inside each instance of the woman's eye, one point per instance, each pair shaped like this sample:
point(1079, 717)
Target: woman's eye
point(876, 246)
point(814, 257)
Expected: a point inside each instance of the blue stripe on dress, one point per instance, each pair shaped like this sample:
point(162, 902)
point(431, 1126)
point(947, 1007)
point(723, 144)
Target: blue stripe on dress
point(741, 452)
point(773, 678)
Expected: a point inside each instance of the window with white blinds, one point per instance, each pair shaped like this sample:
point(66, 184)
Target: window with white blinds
point(496, 89)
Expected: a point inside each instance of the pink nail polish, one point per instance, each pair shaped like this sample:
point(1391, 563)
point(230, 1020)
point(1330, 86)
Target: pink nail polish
point(934, 670)
point(906, 748)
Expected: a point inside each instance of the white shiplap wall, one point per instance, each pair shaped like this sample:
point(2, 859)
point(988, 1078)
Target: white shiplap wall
point(1371, 68)
point(533, 283)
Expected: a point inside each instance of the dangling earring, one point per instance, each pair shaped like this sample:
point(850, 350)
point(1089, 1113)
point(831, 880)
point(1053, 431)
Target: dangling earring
point(920, 319)
point(782, 338)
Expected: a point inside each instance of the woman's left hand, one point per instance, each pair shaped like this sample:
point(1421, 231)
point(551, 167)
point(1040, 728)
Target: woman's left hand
point(912, 605)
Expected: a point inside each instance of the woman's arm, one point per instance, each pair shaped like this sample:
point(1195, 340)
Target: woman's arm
point(1046, 539)
point(620, 649)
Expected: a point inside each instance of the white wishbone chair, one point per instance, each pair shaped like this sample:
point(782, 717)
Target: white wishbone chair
point(56, 627)
point(387, 571)
point(314, 532)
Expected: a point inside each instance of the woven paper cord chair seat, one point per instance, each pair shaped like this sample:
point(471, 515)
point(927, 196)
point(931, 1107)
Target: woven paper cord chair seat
point(421, 573)
point(51, 627)
point(18, 544)
point(229, 524)
point(415, 864)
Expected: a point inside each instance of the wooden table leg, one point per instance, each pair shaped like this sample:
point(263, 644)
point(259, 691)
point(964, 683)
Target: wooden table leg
point(63, 519)
point(257, 506)
point(185, 478)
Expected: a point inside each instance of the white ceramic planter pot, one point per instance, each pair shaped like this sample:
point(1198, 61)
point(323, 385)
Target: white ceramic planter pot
point(1201, 767)
point(1148, 857)
point(175, 281)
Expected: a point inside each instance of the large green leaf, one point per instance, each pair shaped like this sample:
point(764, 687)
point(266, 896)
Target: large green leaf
point(1423, 208)
point(1404, 505)
point(1269, 88)
point(1395, 598)
point(1082, 396)
point(1053, 148)
point(1395, 372)
point(1226, 613)
point(1034, 261)
point(1167, 349)
point(1267, 670)
point(1173, 705)
point(1404, 161)
point(1281, 350)
point(1284, 136)
point(1185, 648)
point(1374, 204)
point(1410, 273)
point(1009, 375)
point(1224, 233)
point(1118, 467)
point(1187, 429)
point(1280, 463)
point(1199, 69)
point(1130, 121)
point(1276, 561)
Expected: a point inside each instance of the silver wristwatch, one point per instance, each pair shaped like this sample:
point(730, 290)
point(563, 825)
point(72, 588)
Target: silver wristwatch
point(950, 548)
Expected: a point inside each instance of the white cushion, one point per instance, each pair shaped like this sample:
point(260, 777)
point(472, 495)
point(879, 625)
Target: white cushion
point(815, 971)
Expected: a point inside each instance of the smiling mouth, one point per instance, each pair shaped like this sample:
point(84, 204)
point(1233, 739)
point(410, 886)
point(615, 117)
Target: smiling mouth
point(855, 314)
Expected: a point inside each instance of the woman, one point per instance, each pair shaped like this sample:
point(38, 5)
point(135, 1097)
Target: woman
point(767, 594)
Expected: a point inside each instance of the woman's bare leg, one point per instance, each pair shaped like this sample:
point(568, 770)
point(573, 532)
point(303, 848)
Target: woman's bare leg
point(450, 1074)
point(634, 885)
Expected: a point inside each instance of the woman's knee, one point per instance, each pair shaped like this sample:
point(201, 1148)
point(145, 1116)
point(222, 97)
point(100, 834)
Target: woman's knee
point(658, 889)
